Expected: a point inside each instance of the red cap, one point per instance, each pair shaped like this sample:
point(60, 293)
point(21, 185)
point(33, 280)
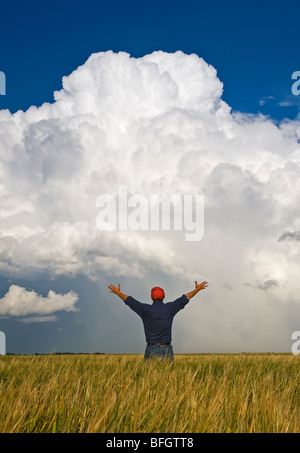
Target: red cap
point(157, 293)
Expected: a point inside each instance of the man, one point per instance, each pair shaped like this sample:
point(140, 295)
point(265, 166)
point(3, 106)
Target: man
point(158, 318)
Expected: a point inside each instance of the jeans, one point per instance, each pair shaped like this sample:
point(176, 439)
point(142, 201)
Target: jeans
point(162, 352)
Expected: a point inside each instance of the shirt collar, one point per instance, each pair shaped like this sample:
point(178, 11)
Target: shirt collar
point(157, 301)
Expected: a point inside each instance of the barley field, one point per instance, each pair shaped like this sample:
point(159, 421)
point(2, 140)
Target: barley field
point(205, 393)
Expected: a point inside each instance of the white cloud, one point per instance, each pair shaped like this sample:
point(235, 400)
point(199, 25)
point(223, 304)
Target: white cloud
point(155, 124)
point(19, 301)
point(117, 120)
point(38, 319)
point(264, 99)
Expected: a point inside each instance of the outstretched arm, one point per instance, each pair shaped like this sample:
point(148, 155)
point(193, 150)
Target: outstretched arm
point(116, 290)
point(202, 285)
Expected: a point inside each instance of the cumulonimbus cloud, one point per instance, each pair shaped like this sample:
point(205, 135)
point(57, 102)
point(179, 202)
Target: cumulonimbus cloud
point(155, 124)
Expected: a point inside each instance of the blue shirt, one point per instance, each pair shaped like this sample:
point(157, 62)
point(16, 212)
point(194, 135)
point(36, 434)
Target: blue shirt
point(158, 317)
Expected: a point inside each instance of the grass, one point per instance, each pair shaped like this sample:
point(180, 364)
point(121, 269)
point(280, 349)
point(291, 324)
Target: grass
point(123, 394)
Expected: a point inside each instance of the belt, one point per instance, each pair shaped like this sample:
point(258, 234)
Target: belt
point(158, 344)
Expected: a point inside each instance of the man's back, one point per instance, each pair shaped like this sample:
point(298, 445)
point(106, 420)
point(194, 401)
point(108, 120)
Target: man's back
point(158, 317)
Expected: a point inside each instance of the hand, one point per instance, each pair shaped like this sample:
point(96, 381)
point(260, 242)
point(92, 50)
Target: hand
point(191, 294)
point(202, 285)
point(114, 289)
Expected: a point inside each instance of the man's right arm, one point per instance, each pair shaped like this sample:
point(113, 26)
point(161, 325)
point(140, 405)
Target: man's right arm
point(134, 304)
point(116, 290)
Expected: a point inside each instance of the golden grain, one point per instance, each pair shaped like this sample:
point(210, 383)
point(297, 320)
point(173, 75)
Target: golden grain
point(122, 393)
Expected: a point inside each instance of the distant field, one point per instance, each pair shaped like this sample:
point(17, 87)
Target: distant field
point(122, 394)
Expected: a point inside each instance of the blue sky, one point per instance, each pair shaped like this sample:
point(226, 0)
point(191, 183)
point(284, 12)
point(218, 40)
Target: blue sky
point(253, 45)
point(248, 170)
